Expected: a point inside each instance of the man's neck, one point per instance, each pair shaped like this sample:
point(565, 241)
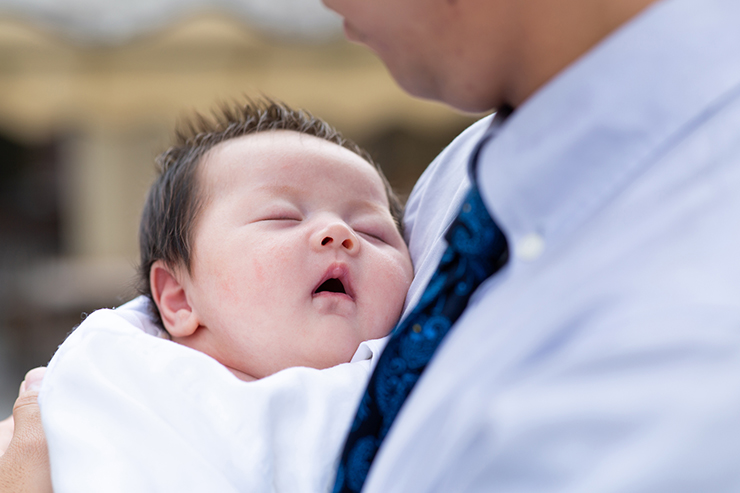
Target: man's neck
point(553, 35)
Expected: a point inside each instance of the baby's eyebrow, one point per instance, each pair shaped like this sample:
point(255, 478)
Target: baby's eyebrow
point(280, 189)
point(362, 205)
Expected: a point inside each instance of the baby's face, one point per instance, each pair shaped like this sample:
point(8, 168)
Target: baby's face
point(296, 258)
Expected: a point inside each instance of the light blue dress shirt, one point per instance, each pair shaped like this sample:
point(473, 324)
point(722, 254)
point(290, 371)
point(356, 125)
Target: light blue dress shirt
point(605, 357)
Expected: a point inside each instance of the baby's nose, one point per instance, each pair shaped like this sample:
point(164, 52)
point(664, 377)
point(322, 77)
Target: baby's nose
point(337, 235)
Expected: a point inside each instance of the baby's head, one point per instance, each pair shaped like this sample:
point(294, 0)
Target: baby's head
point(270, 241)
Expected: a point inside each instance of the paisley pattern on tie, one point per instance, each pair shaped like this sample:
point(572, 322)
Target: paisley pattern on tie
point(476, 249)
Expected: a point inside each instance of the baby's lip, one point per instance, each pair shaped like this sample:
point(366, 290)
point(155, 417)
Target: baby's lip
point(336, 280)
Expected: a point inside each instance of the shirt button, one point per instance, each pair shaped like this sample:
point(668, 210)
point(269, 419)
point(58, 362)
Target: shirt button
point(530, 247)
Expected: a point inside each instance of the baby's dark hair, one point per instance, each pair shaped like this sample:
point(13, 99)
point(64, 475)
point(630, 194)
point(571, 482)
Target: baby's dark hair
point(175, 200)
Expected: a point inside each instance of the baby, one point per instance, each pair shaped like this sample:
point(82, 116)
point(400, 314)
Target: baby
point(270, 247)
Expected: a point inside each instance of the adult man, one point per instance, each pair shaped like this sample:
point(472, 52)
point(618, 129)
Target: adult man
point(605, 355)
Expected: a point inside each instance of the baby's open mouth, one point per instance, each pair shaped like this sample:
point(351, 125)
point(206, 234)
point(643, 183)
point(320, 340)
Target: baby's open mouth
point(332, 285)
point(336, 281)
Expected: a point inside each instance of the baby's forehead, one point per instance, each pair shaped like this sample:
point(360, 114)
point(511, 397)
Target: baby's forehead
point(282, 154)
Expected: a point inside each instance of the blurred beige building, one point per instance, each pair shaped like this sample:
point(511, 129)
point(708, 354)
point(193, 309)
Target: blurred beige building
point(87, 103)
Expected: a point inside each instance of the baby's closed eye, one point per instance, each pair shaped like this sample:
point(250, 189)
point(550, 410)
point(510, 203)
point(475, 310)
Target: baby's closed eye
point(278, 214)
point(375, 231)
point(281, 218)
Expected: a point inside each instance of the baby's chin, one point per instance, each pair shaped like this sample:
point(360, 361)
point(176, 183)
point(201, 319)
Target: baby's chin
point(319, 365)
point(241, 375)
point(328, 356)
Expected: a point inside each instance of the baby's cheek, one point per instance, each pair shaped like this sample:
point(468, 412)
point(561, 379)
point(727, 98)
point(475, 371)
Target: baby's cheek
point(270, 272)
point(259, 270)
point(397, 287)
point(231, 280)
point(282, 259)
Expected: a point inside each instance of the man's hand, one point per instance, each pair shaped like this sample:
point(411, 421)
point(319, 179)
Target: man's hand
point(6, 433)
point(24, 459)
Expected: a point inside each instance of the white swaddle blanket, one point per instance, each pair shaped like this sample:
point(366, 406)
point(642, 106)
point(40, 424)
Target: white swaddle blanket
point(124, 410)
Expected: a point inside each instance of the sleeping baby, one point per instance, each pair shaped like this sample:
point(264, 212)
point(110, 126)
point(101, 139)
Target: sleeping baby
point(272, 265)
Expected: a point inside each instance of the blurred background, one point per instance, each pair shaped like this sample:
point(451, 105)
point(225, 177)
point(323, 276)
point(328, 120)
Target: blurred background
point(90, 91)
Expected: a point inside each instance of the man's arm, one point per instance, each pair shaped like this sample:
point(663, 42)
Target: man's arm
point(24, 460)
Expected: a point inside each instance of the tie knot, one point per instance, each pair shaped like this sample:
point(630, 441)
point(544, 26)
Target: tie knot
point(473, 233)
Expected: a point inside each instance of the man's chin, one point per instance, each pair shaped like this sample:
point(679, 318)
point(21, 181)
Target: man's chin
point(352, 34)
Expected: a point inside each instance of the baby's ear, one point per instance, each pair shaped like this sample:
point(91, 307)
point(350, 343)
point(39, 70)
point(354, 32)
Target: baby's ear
point(169, 294)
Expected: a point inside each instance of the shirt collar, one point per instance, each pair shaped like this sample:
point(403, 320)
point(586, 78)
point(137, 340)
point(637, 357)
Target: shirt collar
point(589, 131)
point(498, 120)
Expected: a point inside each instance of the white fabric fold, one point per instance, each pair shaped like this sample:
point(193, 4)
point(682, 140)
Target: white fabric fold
point(124, 410)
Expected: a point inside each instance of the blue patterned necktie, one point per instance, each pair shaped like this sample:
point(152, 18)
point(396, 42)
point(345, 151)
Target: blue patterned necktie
point(476, 249)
